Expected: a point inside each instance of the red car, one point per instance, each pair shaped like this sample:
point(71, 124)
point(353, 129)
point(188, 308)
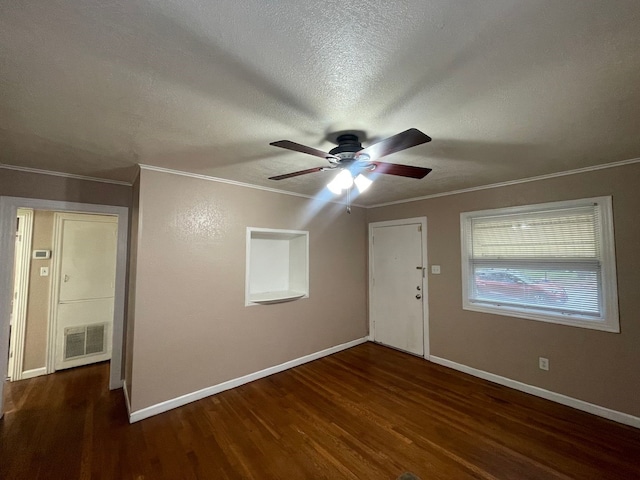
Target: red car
point(515, 286)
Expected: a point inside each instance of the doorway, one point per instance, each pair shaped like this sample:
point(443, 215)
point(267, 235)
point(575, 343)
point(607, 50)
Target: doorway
point(8, 212)
point(398, 314)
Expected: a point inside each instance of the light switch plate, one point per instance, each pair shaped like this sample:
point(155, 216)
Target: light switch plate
point(435, 269)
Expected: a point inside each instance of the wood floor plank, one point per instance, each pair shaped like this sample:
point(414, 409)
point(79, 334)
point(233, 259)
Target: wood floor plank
point(365, 413)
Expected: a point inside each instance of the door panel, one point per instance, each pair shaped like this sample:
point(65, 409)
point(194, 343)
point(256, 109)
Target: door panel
point(76, 314)
point(87, 246)
point(88, 264)
point(397, 291)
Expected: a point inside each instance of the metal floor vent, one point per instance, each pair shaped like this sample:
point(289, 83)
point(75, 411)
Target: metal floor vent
point(85, 340)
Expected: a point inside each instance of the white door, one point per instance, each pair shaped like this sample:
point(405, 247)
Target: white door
point(14, 301)
point(397, 287)
point(85, 278)
point(22, 264)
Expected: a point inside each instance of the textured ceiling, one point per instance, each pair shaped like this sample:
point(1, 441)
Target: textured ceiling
point(508, 89)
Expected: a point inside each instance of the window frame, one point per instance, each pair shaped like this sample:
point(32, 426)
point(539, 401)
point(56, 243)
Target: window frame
point(608, 320)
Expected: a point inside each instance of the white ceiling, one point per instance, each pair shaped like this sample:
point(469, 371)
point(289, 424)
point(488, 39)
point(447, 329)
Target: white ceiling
point(508, 89)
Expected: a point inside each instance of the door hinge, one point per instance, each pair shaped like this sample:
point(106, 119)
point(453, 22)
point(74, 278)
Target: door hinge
point(419, 228)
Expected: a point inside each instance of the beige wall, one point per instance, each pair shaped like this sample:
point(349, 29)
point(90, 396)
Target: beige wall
point(14, 183)
point(192, 329)
point(597, 367)
point(35, 343)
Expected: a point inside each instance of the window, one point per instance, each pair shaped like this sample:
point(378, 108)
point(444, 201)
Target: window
point(553, 262)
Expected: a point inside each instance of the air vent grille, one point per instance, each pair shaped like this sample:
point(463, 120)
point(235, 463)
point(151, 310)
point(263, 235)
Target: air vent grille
point(74, 342)
point(95, 339)
point(83, 341)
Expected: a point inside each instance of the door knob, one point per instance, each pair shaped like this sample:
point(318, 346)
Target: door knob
point(418, 288)
point(418, 296)
point(66, 278)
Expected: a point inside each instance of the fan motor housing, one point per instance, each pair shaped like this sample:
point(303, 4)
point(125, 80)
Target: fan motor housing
point(348, 146)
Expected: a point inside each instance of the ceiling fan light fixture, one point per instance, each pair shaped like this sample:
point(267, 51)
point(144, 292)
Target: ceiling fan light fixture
point(342, 181)
point(334, 187)
point(362, 182)
point(350, 159)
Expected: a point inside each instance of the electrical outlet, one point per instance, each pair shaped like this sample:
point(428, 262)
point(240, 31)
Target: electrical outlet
point(543, 363)
point(435, 269)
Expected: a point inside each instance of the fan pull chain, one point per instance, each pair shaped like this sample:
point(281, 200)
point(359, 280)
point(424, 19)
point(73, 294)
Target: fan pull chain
point(349, 200)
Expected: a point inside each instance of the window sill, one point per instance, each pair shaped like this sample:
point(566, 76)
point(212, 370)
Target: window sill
point(569, 320)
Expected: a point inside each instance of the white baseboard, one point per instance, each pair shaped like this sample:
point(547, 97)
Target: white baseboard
point(35, 372)
point(614, 415)
point(236, 382)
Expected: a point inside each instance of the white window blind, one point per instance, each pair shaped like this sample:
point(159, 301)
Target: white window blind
point(549, 261)
point(562, 234)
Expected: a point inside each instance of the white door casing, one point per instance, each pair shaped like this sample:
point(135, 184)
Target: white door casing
point(397, 286)
point(84, 268)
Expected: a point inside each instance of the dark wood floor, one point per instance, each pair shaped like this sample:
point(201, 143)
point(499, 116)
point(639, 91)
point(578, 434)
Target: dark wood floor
point(365, 413)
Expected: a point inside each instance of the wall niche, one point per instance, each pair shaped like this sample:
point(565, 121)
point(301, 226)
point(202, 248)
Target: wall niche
point(277, 265)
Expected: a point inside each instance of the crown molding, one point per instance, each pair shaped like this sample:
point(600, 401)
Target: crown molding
point(294, 194)
point(236, 183)
point(64, 175)
point(512, 182)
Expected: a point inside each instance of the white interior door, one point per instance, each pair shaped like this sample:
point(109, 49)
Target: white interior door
point(397, 286)
point(22, 263)
point(85, 270)
point(14, 301)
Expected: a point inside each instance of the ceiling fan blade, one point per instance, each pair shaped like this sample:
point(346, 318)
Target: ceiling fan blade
point(295, 174)
point(296, 147)
point(401, 141)
point(400, 170)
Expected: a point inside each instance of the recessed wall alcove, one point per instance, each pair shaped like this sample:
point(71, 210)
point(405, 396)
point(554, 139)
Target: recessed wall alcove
point(277, 265)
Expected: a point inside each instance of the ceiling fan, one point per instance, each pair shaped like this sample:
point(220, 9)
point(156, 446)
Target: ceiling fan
point(351, 159)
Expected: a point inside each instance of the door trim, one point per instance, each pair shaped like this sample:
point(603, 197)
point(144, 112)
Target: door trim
point(21, 284)
point(8, 211)
point(425, 295)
